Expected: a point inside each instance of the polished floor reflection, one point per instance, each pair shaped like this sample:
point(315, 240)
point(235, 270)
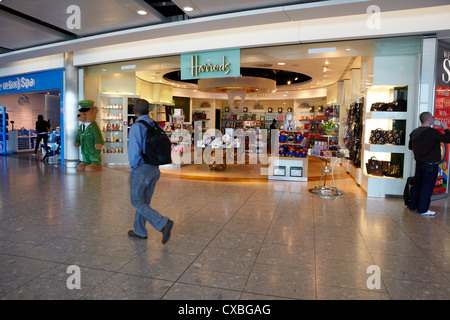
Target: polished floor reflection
point(231, 240)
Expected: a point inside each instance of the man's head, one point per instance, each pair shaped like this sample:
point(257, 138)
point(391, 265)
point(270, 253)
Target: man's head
point(141, 107)
point(426, 118)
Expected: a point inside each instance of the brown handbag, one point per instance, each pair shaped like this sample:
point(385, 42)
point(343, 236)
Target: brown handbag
point(374, 167)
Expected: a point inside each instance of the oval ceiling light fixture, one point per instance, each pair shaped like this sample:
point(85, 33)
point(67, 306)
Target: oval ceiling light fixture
point(188, 9)
point(141, 12)
point(281, 63)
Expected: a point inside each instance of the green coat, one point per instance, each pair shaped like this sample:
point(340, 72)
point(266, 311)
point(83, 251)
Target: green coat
point(91, 136)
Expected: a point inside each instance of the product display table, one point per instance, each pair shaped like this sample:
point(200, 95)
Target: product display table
point(325, 190)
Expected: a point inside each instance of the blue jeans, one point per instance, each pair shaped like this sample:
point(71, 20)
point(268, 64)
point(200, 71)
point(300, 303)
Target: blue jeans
point(422, 190)
point(142, 184)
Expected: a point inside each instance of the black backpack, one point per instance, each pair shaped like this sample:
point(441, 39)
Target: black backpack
point(157, 146)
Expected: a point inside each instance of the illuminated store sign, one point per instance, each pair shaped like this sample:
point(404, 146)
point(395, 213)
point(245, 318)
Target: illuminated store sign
point(45, 80)
point(213, 64)
point(18, 84)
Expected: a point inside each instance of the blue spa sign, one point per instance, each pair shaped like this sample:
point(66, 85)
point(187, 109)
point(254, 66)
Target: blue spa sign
point(212, 64)
point(32, 82)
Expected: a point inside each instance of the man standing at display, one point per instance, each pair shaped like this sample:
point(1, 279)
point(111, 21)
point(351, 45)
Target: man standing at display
point(143, 178)
point(425, 142)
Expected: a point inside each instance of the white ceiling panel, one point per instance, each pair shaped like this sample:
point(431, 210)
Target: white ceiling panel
point(212, 7)
point(18, 34)
point(96, 16)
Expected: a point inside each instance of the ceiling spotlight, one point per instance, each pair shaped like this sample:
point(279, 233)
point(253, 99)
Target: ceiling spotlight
point(325, 69)
point(142, 12)
point(281, 63)
point(188, 9)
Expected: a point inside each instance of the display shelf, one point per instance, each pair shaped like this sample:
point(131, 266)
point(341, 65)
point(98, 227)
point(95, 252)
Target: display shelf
point(386, 115)
point(115, 120)
point(381, 186)
point(386, 148)
point(310, 120)
point(3, 131)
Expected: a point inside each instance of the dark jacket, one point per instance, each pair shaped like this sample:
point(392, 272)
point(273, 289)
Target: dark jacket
point(425, 142)
point(42, 126)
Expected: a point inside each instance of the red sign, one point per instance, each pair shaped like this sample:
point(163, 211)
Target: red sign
point(442, 113)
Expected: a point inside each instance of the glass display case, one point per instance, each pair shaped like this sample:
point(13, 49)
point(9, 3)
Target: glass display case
point(113, 119)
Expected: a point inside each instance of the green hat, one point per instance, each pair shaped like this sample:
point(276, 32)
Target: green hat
point(85, 105)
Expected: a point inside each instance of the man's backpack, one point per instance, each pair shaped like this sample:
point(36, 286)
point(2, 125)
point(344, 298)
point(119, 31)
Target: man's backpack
point(157, 146)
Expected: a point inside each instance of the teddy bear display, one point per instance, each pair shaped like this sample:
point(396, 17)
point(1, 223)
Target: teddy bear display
point(298, 137)
point(283, 136)
point(89, 137)
point(281, 151)
point(291, 151)
point(290, 138)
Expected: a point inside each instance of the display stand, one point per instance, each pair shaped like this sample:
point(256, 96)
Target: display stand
point(3, 130)
point(115, 120)
point(381, 186)
point(288, 168)
point(325, 190)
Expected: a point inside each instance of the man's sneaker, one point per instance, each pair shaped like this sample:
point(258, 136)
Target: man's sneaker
point(429, 213)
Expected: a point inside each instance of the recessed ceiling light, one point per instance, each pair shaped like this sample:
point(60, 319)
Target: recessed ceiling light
point(188, 9)
point(281, 63)
point(142, 12)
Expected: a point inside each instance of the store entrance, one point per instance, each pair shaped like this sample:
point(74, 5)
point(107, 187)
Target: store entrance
point(23, 111)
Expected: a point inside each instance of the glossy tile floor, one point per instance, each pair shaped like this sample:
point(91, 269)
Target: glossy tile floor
point(231, 240)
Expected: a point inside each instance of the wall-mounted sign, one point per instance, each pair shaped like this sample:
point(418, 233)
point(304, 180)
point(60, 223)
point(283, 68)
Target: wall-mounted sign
point(442, 112)
point(32, 82)
point(212, 64)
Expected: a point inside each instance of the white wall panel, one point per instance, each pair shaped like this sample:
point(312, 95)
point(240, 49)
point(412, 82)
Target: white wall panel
point(55, 61)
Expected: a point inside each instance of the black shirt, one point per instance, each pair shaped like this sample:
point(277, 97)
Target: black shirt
point(42, 126)
point(425, 144)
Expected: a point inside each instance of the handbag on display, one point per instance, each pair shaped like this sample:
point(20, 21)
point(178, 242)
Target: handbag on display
point(377, 136)
point(378, 106)
point(374, 167)
point(396, 137)
point(395, 171)
point(399, 106)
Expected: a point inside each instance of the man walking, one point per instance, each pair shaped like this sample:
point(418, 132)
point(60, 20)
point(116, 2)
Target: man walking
point(425, 143)
point(42, 128)
point(143, 179)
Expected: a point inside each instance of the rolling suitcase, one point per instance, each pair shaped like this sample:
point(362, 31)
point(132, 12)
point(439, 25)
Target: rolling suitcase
point(407, 192)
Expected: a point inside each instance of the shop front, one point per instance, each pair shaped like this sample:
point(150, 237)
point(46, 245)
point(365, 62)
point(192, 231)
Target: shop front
point(24, 98)
point(272, 113)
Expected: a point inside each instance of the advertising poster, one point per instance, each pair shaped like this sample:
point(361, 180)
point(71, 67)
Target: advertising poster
point(442, 112)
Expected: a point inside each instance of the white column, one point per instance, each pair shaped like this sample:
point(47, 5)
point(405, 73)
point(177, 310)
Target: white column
point(70, 110)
